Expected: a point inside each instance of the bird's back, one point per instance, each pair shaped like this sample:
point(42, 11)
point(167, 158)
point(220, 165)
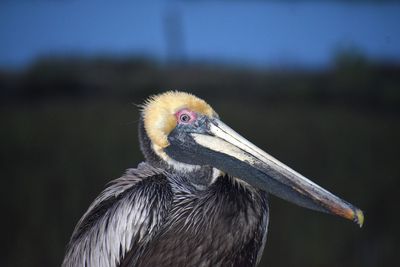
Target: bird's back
point(150, 217)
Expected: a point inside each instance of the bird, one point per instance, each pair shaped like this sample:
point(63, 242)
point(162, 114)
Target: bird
point(200, 198)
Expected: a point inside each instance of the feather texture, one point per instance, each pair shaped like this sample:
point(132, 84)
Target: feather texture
point(122, 218)
point(150, 217)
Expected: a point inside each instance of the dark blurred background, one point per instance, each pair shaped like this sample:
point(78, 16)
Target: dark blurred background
point(314, 83)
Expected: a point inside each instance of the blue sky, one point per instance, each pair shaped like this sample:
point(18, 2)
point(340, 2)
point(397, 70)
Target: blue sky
point(249, 32)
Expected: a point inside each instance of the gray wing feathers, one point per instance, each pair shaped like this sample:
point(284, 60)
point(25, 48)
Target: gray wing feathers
point(125, 216)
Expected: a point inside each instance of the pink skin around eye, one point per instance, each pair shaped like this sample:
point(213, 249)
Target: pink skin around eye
point(192, 115)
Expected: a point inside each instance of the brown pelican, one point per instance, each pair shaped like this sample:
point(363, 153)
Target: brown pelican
point(199, 199)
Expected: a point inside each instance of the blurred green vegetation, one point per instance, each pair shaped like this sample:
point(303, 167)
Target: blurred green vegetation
point(69, 127)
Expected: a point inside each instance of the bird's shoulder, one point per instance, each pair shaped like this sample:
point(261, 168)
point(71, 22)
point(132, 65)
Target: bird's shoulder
point(122, 219)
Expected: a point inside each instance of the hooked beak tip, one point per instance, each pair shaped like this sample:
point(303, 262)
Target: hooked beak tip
point(356, 215)
point(359, 217)
point(351, 213)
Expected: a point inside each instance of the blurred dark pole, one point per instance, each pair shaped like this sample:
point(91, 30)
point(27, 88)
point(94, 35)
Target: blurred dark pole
point(174, 35)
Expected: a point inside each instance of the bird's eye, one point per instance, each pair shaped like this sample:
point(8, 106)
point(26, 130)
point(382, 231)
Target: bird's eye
point(184, 118)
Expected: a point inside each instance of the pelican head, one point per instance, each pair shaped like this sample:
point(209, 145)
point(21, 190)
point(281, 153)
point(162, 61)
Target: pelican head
point(187, 134)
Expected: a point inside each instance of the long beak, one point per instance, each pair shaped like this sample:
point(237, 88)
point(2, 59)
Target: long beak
point(223, 148)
